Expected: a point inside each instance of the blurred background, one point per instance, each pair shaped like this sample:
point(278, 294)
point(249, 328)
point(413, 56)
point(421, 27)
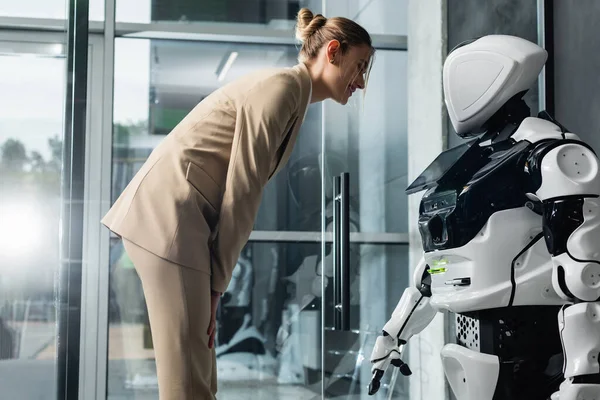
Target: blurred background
point(146, 64)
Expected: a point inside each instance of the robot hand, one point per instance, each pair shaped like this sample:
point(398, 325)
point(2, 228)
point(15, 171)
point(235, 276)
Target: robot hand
point(386, 352)
point(412, 314)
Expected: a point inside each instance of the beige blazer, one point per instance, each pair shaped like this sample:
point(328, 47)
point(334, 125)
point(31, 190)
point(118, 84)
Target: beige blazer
point(195, 199)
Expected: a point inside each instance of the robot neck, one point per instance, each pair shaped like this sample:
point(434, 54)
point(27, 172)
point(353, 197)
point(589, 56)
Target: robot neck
point(507, 119)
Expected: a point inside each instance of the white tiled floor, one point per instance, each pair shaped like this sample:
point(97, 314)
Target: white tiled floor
point(252, 390)
point(143, 386)
point(263, 391)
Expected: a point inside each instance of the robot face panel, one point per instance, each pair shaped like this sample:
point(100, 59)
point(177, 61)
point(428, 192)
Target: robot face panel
point(480, 77)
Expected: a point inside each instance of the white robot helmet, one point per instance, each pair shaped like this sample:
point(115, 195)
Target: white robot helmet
point(483, 75)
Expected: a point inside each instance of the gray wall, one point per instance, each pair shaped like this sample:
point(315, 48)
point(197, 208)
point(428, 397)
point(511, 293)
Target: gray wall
point(469, 19)
point(577, 68)
point(576, 53)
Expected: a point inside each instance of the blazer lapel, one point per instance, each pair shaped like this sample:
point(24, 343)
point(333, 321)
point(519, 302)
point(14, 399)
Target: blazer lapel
point(288, 143)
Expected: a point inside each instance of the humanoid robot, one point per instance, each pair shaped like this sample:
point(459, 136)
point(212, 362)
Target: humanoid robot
point(510, 231)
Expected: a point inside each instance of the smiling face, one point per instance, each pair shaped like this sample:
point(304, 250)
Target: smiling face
point(349, 70)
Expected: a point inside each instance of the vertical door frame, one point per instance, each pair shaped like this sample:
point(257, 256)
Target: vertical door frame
point(95, 279)
point(545, 25)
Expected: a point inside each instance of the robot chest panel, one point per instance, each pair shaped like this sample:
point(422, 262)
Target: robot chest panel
point(452, 215)
point(480, 274)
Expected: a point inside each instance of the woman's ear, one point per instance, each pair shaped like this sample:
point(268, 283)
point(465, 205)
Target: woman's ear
point(333, 49)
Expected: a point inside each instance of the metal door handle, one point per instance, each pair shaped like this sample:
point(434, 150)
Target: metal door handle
point(337, 317)
point(341, 252)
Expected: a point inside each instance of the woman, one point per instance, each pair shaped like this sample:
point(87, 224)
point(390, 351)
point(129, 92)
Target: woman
point(186, 215)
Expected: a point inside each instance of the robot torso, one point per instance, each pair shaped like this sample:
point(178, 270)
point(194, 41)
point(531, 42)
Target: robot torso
point(481, 225)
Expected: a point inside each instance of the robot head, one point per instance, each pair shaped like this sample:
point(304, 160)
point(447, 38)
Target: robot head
point(482, 76)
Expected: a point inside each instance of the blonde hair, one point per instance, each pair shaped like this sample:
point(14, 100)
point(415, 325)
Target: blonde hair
point(315, 31)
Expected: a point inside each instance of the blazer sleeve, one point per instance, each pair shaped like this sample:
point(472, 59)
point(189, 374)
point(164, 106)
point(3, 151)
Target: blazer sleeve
point(260, 123)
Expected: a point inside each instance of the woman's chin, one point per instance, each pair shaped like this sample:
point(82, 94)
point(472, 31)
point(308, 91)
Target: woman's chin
point(343, 99)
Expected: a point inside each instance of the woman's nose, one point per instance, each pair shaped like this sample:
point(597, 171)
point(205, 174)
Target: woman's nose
point(360, 82)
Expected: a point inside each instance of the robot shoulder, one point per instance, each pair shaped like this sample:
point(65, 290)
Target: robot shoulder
point(535, 130)
point(563, 167)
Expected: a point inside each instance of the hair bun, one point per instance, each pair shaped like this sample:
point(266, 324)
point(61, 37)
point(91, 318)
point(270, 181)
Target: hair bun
point(308, 23)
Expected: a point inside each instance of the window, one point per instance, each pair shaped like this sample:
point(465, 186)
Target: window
point(30, 207)
point(54, 9)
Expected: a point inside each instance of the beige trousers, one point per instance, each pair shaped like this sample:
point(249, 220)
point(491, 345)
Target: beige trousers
point(178, 301)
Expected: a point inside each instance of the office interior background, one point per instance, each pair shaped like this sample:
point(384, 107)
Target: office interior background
point(87, 93)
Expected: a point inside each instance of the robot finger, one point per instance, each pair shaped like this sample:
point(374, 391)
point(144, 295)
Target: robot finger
point(404, 368)
point(375, 383)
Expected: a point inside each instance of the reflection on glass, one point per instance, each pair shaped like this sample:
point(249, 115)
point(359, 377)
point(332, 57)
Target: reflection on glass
point(260, 342)
point(378, 276)
point(377, 16)
point(31, 126)
point(54, 9)
point(383, 17)
point(269, 324)
point(272, 13)
point(368, 139)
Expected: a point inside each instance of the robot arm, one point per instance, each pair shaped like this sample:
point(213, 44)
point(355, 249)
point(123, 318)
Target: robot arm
point(412, 314)
point(567, 172)
point(569, 186)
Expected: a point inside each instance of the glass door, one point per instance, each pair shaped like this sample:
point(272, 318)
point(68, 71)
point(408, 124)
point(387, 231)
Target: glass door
point(365, 227)
point(32, 83)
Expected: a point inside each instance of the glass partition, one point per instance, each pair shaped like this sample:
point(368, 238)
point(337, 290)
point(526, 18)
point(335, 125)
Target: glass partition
point(365, 212)
point(47, 9)
point(30, 208)
point(275, 14)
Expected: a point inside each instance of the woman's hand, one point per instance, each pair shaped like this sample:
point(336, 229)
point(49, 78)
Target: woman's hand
point(212, 326)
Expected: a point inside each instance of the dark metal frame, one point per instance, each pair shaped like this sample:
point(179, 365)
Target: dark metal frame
point(548, 32)
point(200, 31)
point(73, 182)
